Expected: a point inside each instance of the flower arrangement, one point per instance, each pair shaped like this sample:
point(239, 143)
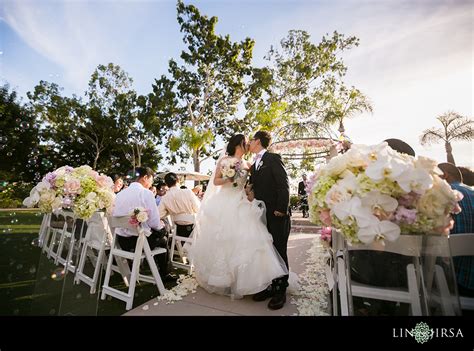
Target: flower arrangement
point(326, 237)
point(80, 189)
point(375, 193)
point(138, 216)
point(231, 168)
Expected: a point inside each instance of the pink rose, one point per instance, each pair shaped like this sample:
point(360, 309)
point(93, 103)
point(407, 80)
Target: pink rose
point(72, 186)
point(325, 217)
point(326, 233)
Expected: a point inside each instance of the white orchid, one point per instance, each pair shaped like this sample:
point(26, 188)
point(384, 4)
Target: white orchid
point(379, 230)
point(371, 192)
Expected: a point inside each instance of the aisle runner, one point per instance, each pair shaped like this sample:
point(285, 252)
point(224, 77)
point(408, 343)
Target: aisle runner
point(312, 297)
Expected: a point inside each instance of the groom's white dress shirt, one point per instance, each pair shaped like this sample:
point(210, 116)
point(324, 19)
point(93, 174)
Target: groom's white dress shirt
point(137, 196)
point(178, 201)
point(258, 158)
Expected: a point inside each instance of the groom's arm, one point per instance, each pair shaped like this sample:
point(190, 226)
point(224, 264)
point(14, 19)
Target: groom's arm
point(282, 187)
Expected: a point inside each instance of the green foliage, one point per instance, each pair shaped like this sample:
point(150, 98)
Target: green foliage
point(114, 129)
point(203, 92)
point(12, 194)
point(20, 154)
point(272, 117)
point(294, 200)
point(305, 78)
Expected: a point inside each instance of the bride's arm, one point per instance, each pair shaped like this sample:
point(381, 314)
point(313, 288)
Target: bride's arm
point(218, 180)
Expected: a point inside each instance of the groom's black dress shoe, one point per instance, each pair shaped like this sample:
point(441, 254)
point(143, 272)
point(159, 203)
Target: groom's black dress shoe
point(263, 295)
point(277, 301)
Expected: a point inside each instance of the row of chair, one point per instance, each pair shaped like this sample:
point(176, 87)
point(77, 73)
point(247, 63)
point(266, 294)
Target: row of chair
point(420, 294)
point(99, 245)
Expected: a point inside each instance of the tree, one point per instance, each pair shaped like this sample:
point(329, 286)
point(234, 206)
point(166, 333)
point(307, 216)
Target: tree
point(455, 128)
point(112, 124)
point(201, 97)
point(341, 102)
point(22, 157)
point(307, 79)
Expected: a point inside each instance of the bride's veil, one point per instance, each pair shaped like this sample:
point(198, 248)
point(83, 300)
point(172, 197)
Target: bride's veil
point(211, 189)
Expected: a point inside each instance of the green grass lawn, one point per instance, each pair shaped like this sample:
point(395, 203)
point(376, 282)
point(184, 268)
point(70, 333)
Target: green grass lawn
point(30, 283)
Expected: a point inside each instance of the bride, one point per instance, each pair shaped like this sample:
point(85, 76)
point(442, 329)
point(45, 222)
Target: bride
point(233, 252)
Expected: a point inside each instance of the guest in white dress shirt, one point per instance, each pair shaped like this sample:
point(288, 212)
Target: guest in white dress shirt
point(178, 201)
point(139, 195)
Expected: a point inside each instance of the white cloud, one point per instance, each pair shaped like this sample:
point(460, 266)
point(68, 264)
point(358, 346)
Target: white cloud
point(66, 33)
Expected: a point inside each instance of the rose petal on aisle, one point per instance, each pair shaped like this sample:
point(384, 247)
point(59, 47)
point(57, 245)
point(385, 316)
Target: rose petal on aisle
point(313, 295)
point(186, 284)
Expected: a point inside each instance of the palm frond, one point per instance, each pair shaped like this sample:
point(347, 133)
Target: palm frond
point(432, 136)
point(461, 129)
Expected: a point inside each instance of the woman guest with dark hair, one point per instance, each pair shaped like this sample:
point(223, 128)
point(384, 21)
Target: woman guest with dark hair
point(118, 183)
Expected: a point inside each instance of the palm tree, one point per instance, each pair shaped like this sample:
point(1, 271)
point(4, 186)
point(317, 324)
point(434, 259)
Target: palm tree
point(343, 103)
point(455, 127)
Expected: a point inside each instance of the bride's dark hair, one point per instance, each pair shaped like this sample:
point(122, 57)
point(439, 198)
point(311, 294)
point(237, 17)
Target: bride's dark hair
point(234, 141)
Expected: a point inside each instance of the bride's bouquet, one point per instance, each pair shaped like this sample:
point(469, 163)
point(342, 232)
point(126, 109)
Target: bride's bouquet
point(375, 193)
point(231, 168)
point(80, 189)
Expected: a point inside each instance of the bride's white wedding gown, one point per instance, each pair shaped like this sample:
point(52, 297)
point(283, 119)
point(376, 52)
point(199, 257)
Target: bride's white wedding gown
point(233, 252)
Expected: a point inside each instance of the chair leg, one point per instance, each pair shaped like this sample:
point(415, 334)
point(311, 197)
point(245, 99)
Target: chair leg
point(98, 266)
point(446, 305)
point(413, 291)
point(154, 270)
point(135, 270)
point(109, 269)
point(343, 283)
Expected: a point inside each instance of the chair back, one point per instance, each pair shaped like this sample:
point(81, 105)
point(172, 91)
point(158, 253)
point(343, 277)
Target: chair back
point(122, 222)
point(407, 245)
point(183, 217)
point(461, 244)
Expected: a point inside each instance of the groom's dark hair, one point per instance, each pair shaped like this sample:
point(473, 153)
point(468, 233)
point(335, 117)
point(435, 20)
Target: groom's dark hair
point(264, 137)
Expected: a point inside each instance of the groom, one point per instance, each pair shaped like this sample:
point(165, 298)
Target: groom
point(270, 185)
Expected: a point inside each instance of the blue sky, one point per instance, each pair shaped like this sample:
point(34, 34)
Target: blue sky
point(415, 59)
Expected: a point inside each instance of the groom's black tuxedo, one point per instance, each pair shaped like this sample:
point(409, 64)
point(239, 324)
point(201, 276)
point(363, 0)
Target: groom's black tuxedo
point(270, 185)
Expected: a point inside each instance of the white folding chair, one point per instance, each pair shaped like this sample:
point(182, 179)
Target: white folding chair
point(142, 250)
point(407, 245)
point(53, 230)
point(463, 245)
point(177, 241)
point(44, 229)
point(97, 238)
point(66, 235)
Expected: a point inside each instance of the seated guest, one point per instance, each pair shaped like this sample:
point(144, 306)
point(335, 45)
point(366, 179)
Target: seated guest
point(178, 201)
point(463, 223)
point(161, 190)
point(400, 146)
point(118, 183)
point(139, 195)
point(467, 176)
